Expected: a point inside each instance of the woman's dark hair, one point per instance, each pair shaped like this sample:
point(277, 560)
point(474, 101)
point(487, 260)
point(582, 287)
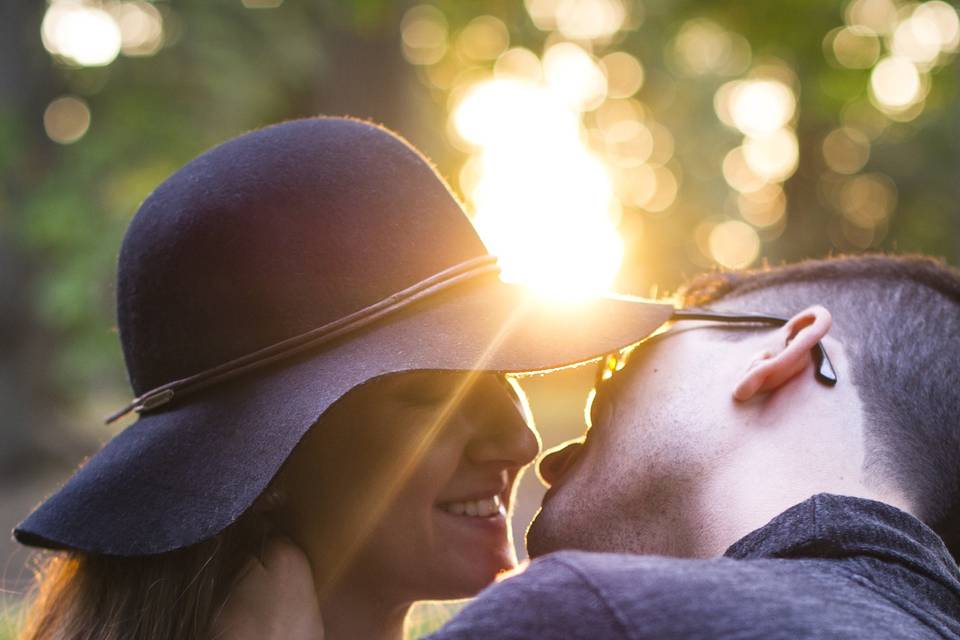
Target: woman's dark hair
point(82, 596)
point(899, 320)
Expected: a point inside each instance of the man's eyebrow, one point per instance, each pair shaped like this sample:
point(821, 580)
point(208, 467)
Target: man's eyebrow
point(673, 327)
point(630, 353)
point(653, 338)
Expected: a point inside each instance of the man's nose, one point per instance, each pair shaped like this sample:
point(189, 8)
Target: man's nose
point(556, 461)
point(510, 441)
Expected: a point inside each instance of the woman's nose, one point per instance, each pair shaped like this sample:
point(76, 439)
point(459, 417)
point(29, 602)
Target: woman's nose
point(511, 441)
point(555, 463)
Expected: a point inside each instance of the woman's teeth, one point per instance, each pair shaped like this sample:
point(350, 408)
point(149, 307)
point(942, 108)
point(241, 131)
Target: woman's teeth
point(480, 508)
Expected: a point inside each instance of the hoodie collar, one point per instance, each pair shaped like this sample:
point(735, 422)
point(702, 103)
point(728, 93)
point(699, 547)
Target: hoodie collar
point(836, 527)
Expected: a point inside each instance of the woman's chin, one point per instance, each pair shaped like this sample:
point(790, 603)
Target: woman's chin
point(477, 550)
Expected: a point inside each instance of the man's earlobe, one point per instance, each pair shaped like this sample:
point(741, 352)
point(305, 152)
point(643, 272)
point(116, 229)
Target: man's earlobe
point(772, 368)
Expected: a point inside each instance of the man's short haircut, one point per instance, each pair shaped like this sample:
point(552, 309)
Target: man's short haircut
point(899, 319)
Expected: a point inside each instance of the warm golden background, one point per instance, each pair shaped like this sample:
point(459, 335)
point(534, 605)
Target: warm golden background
point(597, 144)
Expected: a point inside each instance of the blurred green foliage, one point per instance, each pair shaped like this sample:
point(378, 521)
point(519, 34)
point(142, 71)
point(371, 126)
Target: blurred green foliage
point(226, 69)
point(426, 617)
point(9, 623)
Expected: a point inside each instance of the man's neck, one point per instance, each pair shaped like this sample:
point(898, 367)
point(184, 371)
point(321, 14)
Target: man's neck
point(754, 488)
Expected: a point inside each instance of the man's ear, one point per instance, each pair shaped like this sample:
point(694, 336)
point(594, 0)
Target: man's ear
point(771, 369)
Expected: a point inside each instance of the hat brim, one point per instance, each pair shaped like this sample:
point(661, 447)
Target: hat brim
point(183, 473)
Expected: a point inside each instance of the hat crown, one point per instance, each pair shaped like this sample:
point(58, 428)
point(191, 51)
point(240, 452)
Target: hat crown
point(274, 233)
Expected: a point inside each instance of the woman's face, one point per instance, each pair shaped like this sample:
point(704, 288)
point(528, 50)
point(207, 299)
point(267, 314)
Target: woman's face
point(403, 488)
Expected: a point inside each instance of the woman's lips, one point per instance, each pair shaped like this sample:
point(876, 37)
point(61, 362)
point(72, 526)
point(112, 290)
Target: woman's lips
point(485, 517)
point(478, 508)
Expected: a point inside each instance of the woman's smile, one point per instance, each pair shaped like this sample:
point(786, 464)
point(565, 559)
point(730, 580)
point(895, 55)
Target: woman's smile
point(433, 514)
point(490, 528)
point(481, 513)
point(481, 507)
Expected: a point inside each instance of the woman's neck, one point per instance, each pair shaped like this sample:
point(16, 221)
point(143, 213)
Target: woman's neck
point(361, 613)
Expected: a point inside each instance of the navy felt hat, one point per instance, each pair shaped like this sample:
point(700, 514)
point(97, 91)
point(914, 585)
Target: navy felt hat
point(259, 284)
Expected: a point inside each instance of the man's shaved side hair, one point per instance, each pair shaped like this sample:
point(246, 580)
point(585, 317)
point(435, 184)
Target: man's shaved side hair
point(899, 319)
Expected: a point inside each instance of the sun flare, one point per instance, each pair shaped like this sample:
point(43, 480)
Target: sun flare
point(541, 200)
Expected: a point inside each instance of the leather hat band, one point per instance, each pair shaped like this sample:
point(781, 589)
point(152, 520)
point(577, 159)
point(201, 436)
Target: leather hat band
point(446, 279)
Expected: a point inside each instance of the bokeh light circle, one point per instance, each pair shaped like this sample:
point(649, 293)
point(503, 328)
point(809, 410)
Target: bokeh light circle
point(574, 76)
point(895, 83)
point(66, 119)
point(846, 150)
point(84, 35)
point(774, 156)
point(734, 244)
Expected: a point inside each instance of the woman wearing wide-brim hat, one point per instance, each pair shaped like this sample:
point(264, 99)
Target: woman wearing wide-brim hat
point(316, 273)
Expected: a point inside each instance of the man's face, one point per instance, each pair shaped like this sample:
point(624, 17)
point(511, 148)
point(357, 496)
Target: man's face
point(657, 430)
